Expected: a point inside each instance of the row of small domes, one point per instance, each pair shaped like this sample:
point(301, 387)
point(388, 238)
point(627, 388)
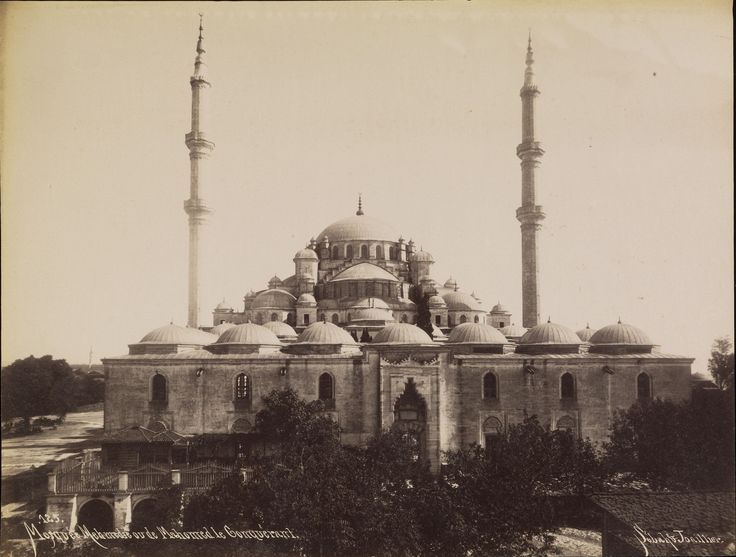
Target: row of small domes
point(323, 332)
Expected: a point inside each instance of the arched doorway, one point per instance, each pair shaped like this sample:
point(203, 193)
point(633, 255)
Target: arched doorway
point(410, 418)
point(147, 514)
point(96, 514)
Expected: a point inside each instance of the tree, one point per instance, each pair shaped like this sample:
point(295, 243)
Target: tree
point(37, 386)
point(687, 445)
point(721, 363)
point(424, 315)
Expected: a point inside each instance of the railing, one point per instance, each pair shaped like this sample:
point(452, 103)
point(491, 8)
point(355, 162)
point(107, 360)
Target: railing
point(89, 476)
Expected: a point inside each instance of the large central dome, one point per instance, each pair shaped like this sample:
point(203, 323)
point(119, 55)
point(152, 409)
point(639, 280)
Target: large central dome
point(359, 227)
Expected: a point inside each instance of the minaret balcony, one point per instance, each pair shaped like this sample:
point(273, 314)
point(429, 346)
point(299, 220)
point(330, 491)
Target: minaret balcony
point(530, 214)
point(196, 207)
point(527, 148)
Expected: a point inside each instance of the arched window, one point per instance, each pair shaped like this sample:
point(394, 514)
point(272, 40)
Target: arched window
point(476, 319)
point(159, 388)
point(404, 318)
point(490, 386)
point(364, 252)
point(322, 317)
point(326, 387)
point(438, 320)
point(450, 321)
point(350, 317)
point(379, 252)
point(274, 317)
point(492, 432)
point(242, 387)
point(290, 319)
point(567, 386)
point(335, 252)
point(306, 319)
point(392, 253)
point(259, 318)
point(335, 318)
point(463, 319)
point(501, 325)
point(643, 386)
point(348, 252)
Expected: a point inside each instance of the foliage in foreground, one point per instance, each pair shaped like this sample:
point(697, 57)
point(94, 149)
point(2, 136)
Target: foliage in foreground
point(688, 445)
point(382, 500)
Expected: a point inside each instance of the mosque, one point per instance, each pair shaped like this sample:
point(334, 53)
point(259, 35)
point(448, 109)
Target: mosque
point(343, 329)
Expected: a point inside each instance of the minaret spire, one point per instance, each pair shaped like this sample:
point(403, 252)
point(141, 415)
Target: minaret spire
point(199, 151)
point(359, 212)
point(530, 215)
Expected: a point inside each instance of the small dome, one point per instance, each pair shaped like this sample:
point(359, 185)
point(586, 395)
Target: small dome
point(323, 332)
point(401, 333)
point(436, 302)
point(371, 314)
point(450, 283)
point(550, 333)
point(422, 256)
point(174, 334)
point(476, 333)
point(280, 329)
point(306, 253)
point(460, 301)
point(223, 306)
point(586, 333)
point(513, 331)
point(499, 308)
point(621, 333)
point(221, 328)
point(306, 299)
point(274, 298)
point(275, 281)
point(248, 333)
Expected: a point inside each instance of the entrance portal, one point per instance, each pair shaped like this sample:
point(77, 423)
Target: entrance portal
point(96, 514)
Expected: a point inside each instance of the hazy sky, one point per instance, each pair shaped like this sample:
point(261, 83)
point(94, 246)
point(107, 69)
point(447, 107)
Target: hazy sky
point(416, 105)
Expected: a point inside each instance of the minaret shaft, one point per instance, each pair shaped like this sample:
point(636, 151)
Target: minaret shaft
point(199, 151)
point(530, 215)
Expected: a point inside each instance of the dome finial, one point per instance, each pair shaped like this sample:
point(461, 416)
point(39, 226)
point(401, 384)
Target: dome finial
point(549, 319)
point(359, 212)
point(619, 319)
point(529, 73)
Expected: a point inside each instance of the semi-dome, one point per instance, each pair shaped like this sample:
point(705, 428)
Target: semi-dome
point(365, 271)
point(371, 314)
point(306, 299)
point(358, 227)
point(460, 301)
point(422, 256)
point(450, 283)
point(174, 334)
point(622, 334)
point(221, 328)
point(401, 333)
point(550, 333)
point(274, 298)
point(513, 331)
point(306, 253)
point(280, 329)
point(436, 302)
point(324, 332)
point(499, 308)
point(586, 333)
point(248, 333)
point(476, 333)
point(370, 303)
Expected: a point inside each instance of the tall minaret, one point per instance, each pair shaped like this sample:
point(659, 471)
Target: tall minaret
point(199, 150)
point(530, 215)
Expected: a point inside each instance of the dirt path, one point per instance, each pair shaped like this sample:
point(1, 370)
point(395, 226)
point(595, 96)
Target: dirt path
point(26, 460)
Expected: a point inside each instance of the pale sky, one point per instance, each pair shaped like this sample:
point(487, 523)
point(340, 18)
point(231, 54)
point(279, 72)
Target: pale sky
point(416, 105)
